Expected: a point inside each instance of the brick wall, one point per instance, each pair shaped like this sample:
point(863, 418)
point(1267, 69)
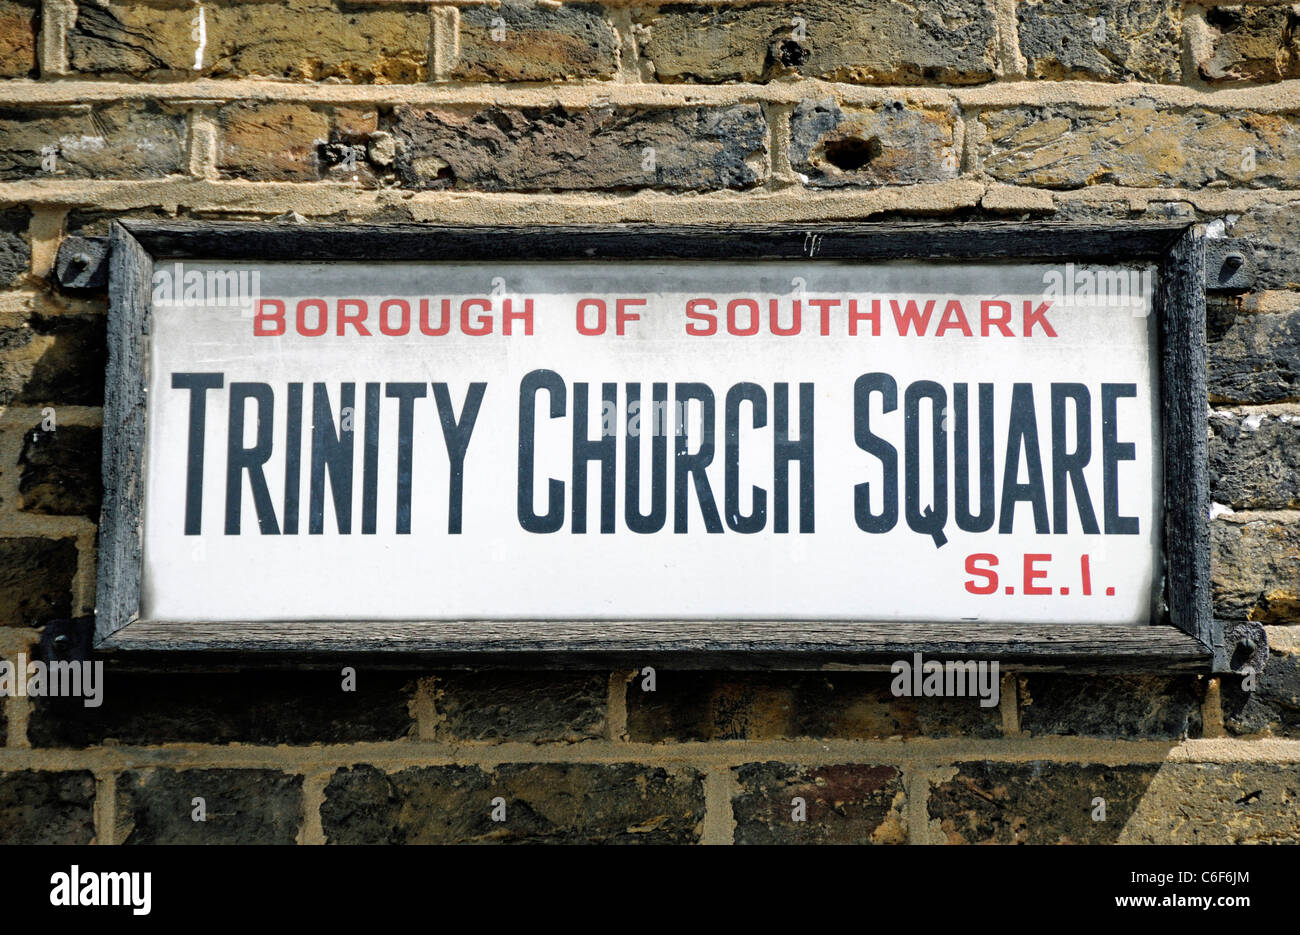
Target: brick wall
point(784, 112)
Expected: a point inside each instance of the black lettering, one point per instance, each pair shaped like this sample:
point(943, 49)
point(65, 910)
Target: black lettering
point(934, 517)
point(240, 459)
point(370, 462)
point(603, 449)
point(456, 433)
point(967, 521)
point(863, 387)
point(198, 384)
point(553, 518)
point(1112, 452)
point(658, 428)
point(406, 394)
point(785, 451)
point(757, 398)
point(1070, 466)
point(331, 450)
point(692, 465)
point(1023, 434)
point(292, 459)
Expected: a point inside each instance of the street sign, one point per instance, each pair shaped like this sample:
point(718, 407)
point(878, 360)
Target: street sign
point(975, 442)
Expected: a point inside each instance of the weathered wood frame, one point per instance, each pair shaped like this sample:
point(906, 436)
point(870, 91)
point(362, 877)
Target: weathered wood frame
point(1185, 635)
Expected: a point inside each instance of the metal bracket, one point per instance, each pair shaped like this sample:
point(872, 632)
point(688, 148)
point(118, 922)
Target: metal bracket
point(67, 640)
point(1229, 265)
point(1245, 647)
point(82, 263)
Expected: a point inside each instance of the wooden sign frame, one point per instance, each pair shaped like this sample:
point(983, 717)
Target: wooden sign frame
point(1186, 635)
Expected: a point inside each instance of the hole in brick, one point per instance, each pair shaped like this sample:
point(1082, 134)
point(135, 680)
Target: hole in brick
point(1222, 19)
point(340, 154)
point(791, 53)
point(852, 154)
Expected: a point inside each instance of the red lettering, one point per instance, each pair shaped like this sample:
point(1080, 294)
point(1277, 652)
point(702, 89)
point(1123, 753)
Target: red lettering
point(321, 323)
point(484, 325)
point(403, 306)
point(988, 574)
point(357, 318)
point(621, 314)
point(910, 315)
point(1033, 573)
point(872, 316)
point(509, 315)
point(752, 306)
point(824, 306)
point(710, 323)
point(773, 308)
point(1038, 316)
point(1001, 322)
point(262, 330)
point(954, 317)
point(599, 306)
point(444, 327)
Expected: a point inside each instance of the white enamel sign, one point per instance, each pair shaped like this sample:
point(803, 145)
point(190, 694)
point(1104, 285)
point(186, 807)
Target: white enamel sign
point(652, 440)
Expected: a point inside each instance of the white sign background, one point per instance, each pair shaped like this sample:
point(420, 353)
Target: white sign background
point(495, 569)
